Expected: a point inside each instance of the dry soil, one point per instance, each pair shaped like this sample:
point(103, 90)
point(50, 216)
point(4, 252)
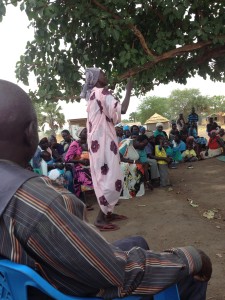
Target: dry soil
point(167, 219)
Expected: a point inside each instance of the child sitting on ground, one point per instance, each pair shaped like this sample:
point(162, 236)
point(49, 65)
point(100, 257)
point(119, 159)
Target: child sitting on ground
point(163, 160)
point(189, 155)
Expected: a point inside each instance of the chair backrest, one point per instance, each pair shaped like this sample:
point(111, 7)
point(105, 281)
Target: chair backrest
point(170, 293)
point(15, 278)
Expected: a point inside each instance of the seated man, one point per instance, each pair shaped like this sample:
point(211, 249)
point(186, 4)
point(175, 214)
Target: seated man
point(174, 131)
point(57, 149)
point(67, 140)
point(45, 228)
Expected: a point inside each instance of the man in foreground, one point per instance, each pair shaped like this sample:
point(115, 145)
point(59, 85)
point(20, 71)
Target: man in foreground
point(46, 229)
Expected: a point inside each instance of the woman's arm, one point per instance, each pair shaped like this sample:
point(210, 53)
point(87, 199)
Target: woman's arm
point(126, 100)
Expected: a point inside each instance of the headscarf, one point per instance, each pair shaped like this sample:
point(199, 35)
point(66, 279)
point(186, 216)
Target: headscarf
point(91, 79)
point(158, 125)
point(79, 130)
point(142, 128)
point(213, 131)
point(126, 127)
point(119, 125)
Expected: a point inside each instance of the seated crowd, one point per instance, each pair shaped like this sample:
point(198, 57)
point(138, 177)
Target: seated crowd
point(145, 155)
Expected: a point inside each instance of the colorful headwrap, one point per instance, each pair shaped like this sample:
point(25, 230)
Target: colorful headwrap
point(91, 79)
point(126, 127)
point(213, 131)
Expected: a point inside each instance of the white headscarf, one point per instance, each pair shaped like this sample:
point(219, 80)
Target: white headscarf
point(91, 79)
point(79, 130)
point(159, 125)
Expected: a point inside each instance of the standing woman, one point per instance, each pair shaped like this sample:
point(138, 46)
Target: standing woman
point(104, 112)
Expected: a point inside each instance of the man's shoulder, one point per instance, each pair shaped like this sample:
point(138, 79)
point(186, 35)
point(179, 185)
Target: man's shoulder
point(40, 188)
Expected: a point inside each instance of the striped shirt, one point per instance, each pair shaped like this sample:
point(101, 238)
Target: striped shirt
point(193, 117)
point(45, 229)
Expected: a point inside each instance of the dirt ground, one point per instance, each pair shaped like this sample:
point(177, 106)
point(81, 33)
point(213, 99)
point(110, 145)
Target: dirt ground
point(166, 218)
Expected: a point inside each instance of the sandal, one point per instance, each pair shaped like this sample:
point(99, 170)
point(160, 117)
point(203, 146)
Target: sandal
point(107, 227)
point(89, 208)
point(115, 217)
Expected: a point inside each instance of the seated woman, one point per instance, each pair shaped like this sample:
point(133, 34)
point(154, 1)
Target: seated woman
point(222, 134)
point(215, 146)
point(159, 132)
point(78, 154)
point(126, 132)
point(192, 130)
point(133, 172)
point(178, 144)
point(163, 161)
point(140, 142)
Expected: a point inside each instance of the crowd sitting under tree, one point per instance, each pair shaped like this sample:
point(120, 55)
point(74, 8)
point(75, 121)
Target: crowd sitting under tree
point(145, 156)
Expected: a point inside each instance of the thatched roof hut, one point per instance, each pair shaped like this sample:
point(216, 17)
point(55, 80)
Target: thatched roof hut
point(156, 118)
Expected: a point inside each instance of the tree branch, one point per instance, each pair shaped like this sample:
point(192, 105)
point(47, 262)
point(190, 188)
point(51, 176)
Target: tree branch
point(165, 56)
point(133, 28)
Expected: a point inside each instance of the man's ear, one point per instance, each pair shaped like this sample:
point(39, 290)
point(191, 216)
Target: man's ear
point(30, 134)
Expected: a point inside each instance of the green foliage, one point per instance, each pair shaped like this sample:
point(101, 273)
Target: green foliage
point(133, 117)
point(180, 101)
point(217, 104)
point(153, 41)
point(125, 121)
point(49, 114)
point(151, 105)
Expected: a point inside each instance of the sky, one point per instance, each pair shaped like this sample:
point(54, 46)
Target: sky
point(14, 34)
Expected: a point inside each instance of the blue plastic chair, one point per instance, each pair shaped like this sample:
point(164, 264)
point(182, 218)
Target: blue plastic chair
point(15, 278)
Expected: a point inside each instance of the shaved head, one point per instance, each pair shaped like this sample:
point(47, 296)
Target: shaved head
point(18, 124)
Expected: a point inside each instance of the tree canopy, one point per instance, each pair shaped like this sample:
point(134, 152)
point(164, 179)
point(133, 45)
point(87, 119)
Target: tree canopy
point(151, 105)
point(155, 41)
point(181, 101)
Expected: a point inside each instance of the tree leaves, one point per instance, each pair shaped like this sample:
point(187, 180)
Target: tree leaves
point(49, 114)
point(153, 41)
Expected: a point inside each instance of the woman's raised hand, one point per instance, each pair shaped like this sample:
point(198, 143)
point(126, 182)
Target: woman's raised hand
point(129, 85)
